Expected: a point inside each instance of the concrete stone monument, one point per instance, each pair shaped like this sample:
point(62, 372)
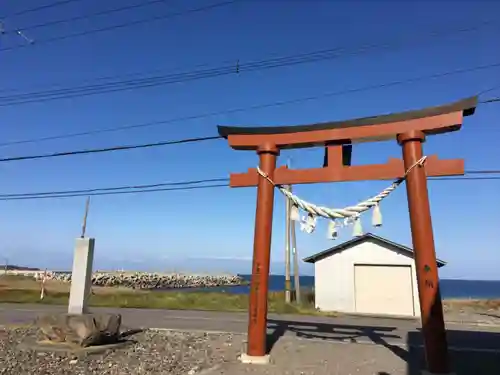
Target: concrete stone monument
point(81, 276)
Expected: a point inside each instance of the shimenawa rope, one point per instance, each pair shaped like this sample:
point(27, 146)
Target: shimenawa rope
point(350, 214)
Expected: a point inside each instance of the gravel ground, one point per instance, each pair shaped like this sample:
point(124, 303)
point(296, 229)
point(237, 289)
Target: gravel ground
point(154, 352)
point(181, 353)
point(291, 356)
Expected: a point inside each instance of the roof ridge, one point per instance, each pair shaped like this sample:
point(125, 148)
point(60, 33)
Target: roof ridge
point(350, 243)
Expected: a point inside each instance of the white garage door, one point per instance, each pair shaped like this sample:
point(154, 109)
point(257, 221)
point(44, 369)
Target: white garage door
point(383, 289)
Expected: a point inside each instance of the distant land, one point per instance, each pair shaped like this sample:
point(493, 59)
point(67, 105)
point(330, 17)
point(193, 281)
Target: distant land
point(12, 267)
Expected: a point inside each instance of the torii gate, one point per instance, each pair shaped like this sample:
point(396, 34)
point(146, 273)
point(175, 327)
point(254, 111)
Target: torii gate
point(410, 130)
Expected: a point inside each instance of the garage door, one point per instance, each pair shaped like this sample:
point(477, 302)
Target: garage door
point(383, 289)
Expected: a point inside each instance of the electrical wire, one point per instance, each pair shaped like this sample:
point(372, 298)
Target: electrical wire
point(40, 7)
point(118, 148)
point(109, 149)
point(492, 100)
point(114, 148)
point(123, 25)
point(161, 80)
point(147, 188)
point(117, 188)
point(196, 182)
point(118, 76)
point(463, 178)
point(85, 16)
point(493, 171)
point(256, 107)
point(115, 76)
point(116, 192)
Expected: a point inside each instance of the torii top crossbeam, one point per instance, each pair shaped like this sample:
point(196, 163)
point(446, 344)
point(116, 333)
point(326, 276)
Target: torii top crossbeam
point(438, 120)
point(335, 136)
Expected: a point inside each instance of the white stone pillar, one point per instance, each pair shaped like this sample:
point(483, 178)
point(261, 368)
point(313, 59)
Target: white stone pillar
point(81, 276)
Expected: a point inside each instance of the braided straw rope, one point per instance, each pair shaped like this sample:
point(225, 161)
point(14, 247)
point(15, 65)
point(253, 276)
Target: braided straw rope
point(350, 212)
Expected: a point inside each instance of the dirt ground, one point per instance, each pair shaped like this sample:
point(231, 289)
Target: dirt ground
point(490, 305)
point(481, 312)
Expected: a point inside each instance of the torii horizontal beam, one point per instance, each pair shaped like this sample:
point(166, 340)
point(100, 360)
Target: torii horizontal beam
point(392, 170)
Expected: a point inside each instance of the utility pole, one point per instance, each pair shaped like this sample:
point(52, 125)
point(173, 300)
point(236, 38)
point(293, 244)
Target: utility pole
point(85, 215)
point(291, 233)
point(288, 288)
point(296, 274)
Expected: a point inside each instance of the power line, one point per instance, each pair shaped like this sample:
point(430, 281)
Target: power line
point(492, 171)
point(114, 76)
point(492, 100)
point(232, 62)
point(118, 190)
point(109, 149)
point(211, 180)
point(40, 7)
point(259, 106)
point(160, 80)
point(106, 88)
point(464, 178)
point(434, 34)
point(124, 25)
point(86, 16)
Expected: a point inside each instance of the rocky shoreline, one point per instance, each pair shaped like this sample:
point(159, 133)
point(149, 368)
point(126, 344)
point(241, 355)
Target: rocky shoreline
point(146, 280)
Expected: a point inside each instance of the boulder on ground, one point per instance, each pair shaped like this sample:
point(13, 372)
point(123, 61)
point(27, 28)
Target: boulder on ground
point(83, 330)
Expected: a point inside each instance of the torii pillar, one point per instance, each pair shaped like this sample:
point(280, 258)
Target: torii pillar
point(409, 129)
point(433, 327)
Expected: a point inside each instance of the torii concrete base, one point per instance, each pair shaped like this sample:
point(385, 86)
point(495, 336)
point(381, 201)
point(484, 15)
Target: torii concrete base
point(252, 360)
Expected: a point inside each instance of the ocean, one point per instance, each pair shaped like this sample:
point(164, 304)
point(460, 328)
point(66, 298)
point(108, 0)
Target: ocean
point(475, 289)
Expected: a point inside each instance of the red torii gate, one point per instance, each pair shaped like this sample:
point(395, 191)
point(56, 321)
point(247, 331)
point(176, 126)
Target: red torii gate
point(410, 130)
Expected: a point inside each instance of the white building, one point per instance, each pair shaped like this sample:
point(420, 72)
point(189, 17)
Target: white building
point(367, 275)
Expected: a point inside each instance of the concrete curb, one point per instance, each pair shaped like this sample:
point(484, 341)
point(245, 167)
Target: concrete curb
point(210, 332)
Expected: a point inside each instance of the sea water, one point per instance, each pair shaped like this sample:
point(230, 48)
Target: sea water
point(458, 289)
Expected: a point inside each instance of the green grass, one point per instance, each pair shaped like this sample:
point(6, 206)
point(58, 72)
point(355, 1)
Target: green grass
point(6, 278)
point(165, 300)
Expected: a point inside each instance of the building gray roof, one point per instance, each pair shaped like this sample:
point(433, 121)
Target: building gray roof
point(357, 240)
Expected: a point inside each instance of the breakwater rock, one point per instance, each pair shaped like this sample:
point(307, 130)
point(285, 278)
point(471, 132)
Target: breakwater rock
point(145, 280)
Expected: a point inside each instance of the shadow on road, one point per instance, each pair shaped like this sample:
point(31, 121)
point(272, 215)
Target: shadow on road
point(327, 331)
point(471, 352)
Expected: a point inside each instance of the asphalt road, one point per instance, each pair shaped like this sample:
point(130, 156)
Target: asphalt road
point(367, 330)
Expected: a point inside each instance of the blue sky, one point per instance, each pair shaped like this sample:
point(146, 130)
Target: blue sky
point(212, 230)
